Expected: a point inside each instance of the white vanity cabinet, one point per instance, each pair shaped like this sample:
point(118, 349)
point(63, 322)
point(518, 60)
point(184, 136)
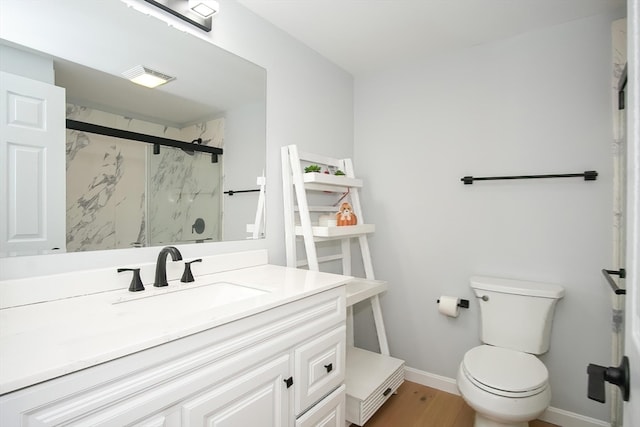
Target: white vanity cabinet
point(281, 367)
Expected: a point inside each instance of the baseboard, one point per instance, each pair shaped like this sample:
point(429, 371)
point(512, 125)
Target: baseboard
point(431, 380)
point(551, 415)
point(570, 419)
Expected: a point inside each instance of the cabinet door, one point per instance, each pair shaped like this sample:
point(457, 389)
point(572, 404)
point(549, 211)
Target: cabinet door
point(258, 397)
point(319, 368)
point(327, 413)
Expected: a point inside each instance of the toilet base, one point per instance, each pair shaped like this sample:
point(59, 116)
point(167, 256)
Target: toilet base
point(489, 407)
point(482, 421)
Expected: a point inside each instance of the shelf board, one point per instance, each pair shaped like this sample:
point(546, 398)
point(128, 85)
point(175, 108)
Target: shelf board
point(339, 232)
point(319, 208)
point(361, 289)
point(327, 182)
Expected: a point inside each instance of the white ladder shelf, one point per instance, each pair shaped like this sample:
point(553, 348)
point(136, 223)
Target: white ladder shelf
point(368, 386)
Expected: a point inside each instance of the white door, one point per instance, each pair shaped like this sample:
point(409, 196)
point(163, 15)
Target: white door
point(32, 166)
point(632, 321)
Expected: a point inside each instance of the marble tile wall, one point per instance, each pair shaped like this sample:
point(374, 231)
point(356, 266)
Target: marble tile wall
point(120, 195)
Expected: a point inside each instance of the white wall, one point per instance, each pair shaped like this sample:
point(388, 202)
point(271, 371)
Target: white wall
point(533, 104)
point(309, 100)
point(242, 169)
point(16, 61)
point(309, 103)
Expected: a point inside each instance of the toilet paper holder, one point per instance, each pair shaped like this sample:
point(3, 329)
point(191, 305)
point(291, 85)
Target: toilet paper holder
point(463, 303)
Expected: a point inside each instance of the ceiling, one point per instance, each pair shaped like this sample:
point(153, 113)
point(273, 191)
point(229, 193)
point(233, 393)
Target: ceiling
point(365, 35)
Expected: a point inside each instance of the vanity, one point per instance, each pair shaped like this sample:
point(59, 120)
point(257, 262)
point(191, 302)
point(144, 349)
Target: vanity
point(247, 343)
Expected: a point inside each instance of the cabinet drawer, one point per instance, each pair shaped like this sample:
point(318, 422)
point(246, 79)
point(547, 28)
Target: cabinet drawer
point(371, 379)
point(319, 368)
point(327, 413)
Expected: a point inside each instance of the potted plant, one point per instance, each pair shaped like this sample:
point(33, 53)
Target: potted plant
point(312, 168)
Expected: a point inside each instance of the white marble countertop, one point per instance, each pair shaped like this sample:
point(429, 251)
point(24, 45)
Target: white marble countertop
point(42, 341)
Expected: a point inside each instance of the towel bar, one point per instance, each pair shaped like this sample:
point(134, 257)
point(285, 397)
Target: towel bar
point(622, 273)
point(588, 176)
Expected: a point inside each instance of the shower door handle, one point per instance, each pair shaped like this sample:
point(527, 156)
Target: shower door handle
point(614, 375)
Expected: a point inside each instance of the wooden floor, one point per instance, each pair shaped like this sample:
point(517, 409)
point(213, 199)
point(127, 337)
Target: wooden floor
point(418, 406)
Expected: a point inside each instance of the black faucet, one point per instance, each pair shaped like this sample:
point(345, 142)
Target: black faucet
point(161, 265)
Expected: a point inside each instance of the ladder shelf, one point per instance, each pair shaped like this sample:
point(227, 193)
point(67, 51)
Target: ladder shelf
point(362, 289)
point(370, 377)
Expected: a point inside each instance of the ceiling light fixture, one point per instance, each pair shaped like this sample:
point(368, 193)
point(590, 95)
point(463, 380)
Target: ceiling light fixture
point(204, 8)
point(147, 77)
point(195, 12)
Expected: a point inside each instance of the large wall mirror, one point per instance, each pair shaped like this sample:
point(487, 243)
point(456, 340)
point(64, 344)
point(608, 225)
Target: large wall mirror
point(120, 192)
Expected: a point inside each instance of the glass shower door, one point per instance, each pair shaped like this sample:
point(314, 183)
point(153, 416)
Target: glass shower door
point(184, 197)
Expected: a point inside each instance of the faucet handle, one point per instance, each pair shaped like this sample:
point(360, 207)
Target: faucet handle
point(187, 276)
point(136, 283)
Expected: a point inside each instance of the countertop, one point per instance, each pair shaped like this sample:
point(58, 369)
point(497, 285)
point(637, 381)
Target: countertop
point(42, 341)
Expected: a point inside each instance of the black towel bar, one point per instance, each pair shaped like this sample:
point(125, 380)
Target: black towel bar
point(622, 273)
point(232, 192)
point(588, 176)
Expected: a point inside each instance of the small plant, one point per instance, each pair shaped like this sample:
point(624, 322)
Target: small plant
point(312, 168)
point(339, 173)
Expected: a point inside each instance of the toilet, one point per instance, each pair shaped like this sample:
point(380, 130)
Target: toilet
point(502, 379)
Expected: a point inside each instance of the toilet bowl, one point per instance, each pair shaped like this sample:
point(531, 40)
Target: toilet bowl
point(503, 380)
point(505, 387)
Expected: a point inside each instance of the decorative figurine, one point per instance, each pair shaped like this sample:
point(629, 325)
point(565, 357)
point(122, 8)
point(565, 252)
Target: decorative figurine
point(346, 216)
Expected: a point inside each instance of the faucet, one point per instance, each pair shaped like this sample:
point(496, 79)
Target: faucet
point(161, 264)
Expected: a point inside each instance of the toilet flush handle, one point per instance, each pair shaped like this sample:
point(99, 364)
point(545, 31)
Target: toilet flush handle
point(614, 375)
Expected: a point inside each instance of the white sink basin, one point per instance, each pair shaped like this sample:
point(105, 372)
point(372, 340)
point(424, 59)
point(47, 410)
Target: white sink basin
point(183, 296)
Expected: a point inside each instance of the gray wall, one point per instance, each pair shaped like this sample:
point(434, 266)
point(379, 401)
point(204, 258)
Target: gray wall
point(533, 104)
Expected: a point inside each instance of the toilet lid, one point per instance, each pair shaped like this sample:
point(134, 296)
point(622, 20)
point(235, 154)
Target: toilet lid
point(505, 370)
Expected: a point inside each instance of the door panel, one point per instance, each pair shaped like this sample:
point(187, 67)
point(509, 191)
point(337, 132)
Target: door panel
point(257, 398)
point(32, 166)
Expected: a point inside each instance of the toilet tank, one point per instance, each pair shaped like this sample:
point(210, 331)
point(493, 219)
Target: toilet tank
point(516, 314)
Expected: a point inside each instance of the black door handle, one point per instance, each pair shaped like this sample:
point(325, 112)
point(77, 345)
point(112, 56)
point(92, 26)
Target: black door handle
point(288, 381)
point(614, 375)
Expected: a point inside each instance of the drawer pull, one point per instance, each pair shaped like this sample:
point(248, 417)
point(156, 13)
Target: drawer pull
point(387, 391)
point(329, 367)
point(289, 382)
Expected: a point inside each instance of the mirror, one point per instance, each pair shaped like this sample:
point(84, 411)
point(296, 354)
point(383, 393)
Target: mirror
point(122, 193)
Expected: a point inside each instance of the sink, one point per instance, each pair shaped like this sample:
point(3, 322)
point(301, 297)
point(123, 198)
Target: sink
point(195, 297)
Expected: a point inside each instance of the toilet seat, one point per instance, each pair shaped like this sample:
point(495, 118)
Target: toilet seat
point(505, 372)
